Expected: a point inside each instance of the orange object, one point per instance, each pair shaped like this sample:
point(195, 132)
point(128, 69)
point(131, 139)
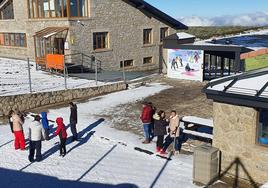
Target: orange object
point(55, 61)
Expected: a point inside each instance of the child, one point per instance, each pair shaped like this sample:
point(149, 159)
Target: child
point(61, 131)
point(45, 125)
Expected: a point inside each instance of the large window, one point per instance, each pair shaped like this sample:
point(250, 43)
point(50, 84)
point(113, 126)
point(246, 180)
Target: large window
point(263, 127)
point(6, 11)
point(57, 8)
point(100, 40)
point(13, 39)
point(163, 33)
point(147, 36)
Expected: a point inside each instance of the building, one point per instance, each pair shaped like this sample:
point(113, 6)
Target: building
point(201, 60)
point(240, 115)
point(115, 31)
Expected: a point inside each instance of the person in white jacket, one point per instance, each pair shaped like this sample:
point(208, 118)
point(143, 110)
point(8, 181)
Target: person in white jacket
point(36, 134)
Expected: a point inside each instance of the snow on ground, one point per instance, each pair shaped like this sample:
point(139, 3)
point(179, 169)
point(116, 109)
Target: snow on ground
point(94, 161)
point(14, 79)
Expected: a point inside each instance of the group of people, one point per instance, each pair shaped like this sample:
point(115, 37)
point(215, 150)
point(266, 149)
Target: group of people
point(156, 124)
point(39, 130)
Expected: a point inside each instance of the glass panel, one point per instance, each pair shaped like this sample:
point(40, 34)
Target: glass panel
point(22, 40)
point(40, 9)
point(59, 8)
point(12, 39)
point(73, 8)
point(17, 39)
point(42, 54)
point(52, 8)
point(83, 8)
point(65, 8)
point(48, 50)
point(6, 39)
point(263, 127)
point(37, 47)
point(30, 6)
point(35, 9)
point(147, 36)
point(46, 8)
point(6, 12)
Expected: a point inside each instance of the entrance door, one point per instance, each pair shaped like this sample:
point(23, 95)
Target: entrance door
point(59, 46)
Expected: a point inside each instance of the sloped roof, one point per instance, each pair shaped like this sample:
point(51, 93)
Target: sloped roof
point(248, 89)
point(156, 13)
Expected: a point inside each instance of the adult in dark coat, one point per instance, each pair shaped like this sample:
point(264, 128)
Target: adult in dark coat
point(73, 120)
point(160, 128)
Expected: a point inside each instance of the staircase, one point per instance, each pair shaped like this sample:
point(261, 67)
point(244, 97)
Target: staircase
point(81, 63)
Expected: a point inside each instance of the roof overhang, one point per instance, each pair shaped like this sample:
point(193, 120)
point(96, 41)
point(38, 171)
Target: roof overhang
point(151, 11)
point(50, 31)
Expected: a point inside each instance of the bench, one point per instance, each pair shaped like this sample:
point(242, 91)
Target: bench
point(199, 128)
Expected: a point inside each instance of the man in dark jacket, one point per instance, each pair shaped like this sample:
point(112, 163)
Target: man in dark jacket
point(146, 118)
point(73, 120)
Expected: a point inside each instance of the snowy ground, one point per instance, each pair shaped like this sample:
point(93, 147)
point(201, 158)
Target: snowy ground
point(14, 79)
point(94, 161)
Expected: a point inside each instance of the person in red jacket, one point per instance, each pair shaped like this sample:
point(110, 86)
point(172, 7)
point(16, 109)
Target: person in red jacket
point(61, 131)
point(146, 118)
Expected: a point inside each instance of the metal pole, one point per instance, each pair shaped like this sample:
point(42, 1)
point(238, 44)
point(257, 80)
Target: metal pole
point(124, 74)
point(96, 72)
point(64, 72)
point(29, 74)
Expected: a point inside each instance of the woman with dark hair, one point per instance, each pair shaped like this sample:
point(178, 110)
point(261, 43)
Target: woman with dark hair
point(160, 124)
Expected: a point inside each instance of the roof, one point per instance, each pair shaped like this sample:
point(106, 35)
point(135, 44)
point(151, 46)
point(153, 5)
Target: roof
point(247, 89)
point(156, 13)
point(50, 31)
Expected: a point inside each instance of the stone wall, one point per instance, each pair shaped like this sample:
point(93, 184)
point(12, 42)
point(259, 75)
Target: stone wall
point(35, 100)
point(235, 130)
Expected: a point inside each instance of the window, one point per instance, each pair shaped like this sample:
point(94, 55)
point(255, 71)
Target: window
point(6, 12)
point(100, 40)
point(263, 127)
point(57, 8)
point(147, 36)
point(127, 63)
point(147, 60)
point(13, 39)
point(163, 33)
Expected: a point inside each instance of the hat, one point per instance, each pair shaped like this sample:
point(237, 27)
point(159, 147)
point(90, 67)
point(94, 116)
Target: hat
point(37, 118)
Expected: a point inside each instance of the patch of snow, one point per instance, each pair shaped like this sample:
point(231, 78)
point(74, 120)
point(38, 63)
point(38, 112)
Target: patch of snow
point(198, 120)
point(14, 79)
point(93, 161)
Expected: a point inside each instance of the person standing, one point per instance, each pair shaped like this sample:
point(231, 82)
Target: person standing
point(73, 120)
point(61, 131)
point(174, 133)
point(10, 121)
point(160, 125)
point(36, 133)
point(146, 118)
point(45, 125)
point(151, 130)
point(18, 131)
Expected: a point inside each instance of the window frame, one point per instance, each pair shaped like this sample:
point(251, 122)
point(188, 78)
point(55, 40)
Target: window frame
point(14, 44)
point(147, 40)
point(104, 39)
point(166, 29)
point(10, 2)
point(258, 129)
point(146, 58)
point(126, 61)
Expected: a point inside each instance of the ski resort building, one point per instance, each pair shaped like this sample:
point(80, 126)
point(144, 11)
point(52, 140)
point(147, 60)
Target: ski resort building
point(240, 115)
point(120, 33)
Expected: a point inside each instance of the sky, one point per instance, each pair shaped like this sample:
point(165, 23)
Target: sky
point(209, 10)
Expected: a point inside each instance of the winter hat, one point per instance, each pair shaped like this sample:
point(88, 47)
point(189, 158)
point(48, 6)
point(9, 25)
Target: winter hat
point(37, 118)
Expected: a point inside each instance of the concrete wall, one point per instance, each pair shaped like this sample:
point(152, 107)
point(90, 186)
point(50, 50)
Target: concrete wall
point(235, 129)
point(30, 101)
point(124, 23)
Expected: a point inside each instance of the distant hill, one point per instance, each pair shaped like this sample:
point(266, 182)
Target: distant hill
point(209, 32)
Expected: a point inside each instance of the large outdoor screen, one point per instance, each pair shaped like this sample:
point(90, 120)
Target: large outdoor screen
point(185, 64)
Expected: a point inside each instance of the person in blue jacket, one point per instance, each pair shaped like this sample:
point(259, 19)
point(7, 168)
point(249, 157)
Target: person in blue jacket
point(45, 125)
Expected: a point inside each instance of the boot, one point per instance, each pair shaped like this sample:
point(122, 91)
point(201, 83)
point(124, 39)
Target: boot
point(158, 149)
point(146, 141)
point(163, 152)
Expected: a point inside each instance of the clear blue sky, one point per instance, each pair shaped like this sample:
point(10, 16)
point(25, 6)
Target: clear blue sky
point(209, 8)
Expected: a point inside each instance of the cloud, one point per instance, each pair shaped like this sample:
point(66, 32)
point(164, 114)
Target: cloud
point(253, 19)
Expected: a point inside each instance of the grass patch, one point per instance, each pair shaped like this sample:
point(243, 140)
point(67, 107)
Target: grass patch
point(209, 32)
point(257, 62)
